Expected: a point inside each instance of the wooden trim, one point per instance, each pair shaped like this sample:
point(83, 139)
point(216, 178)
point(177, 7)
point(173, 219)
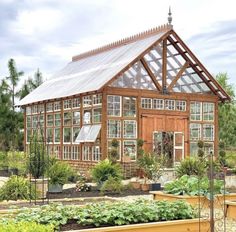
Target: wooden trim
point(25, 129)
point(104, 126)
point(179, 74)
point(216, 132)
point(61, 131)
point(164, 64)
point(200, 65)
point(150, 73)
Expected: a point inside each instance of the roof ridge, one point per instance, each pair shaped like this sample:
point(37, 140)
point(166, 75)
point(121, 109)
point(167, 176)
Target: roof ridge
point(132, 38)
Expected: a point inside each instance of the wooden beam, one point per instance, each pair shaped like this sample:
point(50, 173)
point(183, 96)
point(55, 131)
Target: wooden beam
point(145, 65)
point(164, 64)
point(179, 74)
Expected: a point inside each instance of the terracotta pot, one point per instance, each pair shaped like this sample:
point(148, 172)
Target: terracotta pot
point(145, 187)
point(136, 184)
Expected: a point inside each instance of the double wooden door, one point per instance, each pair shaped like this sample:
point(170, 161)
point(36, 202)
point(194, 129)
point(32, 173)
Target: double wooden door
point(165, 134)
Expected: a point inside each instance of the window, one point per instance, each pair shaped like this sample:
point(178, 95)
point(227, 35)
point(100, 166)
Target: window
point(86, 153)
point(195, 131)
point(96, 153)
point(49, 137)
point(50, 120)
point(87, 101)
point(193, 148)
point(97, 115)
point(169, 104)
point(129, 106)
point(57, 119)
point(57, 135)
point(76, 117)
point(67, 119)
point(195, 111)
point(34, 109)
point(28, 122)
point(75, 133)
point(49, 107)
point(66, 135)
point(208, 132)
point(158, 104)
point(75, 152)
point(28, 110)
point(76, 102)
point(129, 129)
point(208, 147)
point(66, 152)
point(28, 135)
point(57, 150)
point(130, 149)
point(57, 106)
point(34, 121)
point(67, 104)
point(208, 111)
point(97, 99)
point(87, 116)
point(114, 129)
point(180, 105)
point(114, 105)
point(41, 120)
point(146, 103)
point(40, 108)
point(109, 147)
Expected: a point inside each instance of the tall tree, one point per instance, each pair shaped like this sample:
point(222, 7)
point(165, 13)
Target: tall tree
point(30, 84)
point(13, 79)
point(227, 113)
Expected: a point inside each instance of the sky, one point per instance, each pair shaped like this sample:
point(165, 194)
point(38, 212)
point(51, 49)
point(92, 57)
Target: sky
point(45, 34)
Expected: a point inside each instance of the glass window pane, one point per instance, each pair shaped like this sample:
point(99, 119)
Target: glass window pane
point(96, 153)
point(49, 137)
point(67, 118)
point(130, 130)
point(86, 153)
point(57, 106)
point(158, 104)
point(129, 106)
point(130, 149)
point(169, 104)
point(28, 110)
point(67, 135)
point(50, 120)
point(195, 131)
point(57, 118)
point(208, 132)
point(193, 148)
point(28, 122)
point(57, 135)
point(114, 129)
point(97, 99)
point(87, 116)
point(75, 152)
point(195, 111)
point(76, 118)
point(208, 111)
point(75, 133)
point(180, 105)
point(109, 148)
point(67, 104)
point(146, 103)
point(66, 152)
point(114, 105)
point(87, 101)
point(97, 115)
point(76, 102)
point(49, 107)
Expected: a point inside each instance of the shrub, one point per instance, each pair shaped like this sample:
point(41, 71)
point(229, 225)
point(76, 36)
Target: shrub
point(81, 185)
point(104, 169)
point(17, 160)
point(17, 188)
point(114, 153)
point(191, 166)
point(222, 153)
point(59, 172)
point(112, 184)
point(25, 227)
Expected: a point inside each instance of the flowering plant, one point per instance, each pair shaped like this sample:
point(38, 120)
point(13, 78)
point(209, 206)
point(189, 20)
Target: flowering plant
point(81, 185)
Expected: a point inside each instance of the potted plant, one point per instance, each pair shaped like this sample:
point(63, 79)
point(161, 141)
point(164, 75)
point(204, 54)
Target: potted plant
point(58, 174)
point(38, 163)
point(135, 182)
point(114, 152)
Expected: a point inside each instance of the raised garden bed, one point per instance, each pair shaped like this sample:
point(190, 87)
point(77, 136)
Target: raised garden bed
point(231, 209)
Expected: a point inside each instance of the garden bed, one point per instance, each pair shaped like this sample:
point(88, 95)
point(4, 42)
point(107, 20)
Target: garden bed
point(231, 209)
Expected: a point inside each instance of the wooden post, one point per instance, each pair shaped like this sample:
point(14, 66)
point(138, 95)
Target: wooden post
point(164, 64)
point(104, 125)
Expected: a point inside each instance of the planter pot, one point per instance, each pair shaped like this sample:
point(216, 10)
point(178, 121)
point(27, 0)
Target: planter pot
point(189, 225)
point(231, 209)
point(194, 200)
point(4, 172)
point(136, 184)
point(55, 188)
point(41, 187)
point(145, 187)
point(155, 187)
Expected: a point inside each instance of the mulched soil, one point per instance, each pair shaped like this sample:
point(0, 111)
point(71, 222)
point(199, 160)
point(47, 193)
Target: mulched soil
point(72, 193)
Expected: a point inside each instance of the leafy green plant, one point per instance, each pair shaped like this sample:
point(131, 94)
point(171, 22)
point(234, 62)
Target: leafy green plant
point(17, 188)
point(38, 161)
point(13, 226)
point(191, 166)
point(114, 153)
point(191, 185)
point(112, 185)
point(17, 160)
point(104, 169)
point(81, 185)
point(222, 153)
point(59, 172)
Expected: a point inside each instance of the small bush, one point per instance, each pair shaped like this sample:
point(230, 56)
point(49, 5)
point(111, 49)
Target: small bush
point(104, 169)
point(25, 227)
point(191, 166)
point(17, 188)
point(81, 185)
point(112, 185)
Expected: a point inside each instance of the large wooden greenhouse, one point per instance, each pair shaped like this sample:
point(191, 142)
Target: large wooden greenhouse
point(149, 86)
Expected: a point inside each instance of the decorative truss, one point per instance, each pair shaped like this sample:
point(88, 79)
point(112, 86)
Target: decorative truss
point(169, 66)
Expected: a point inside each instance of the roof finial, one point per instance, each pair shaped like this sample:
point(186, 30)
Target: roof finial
point(170, 17)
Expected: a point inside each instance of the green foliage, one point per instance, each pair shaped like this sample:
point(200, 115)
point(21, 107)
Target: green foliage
point(81, 185)
point(16, 188)
point(13, 226)
point(140, 150)
point(200, 151)
point(231, 158)
point(112, 184)
point(222, 153)
point(17, 160)
point(38, 159)
point(114, 153)
point(193, 186)
point(59, 172)
point(110, 214)
point(104, 169)
point(191, 166)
